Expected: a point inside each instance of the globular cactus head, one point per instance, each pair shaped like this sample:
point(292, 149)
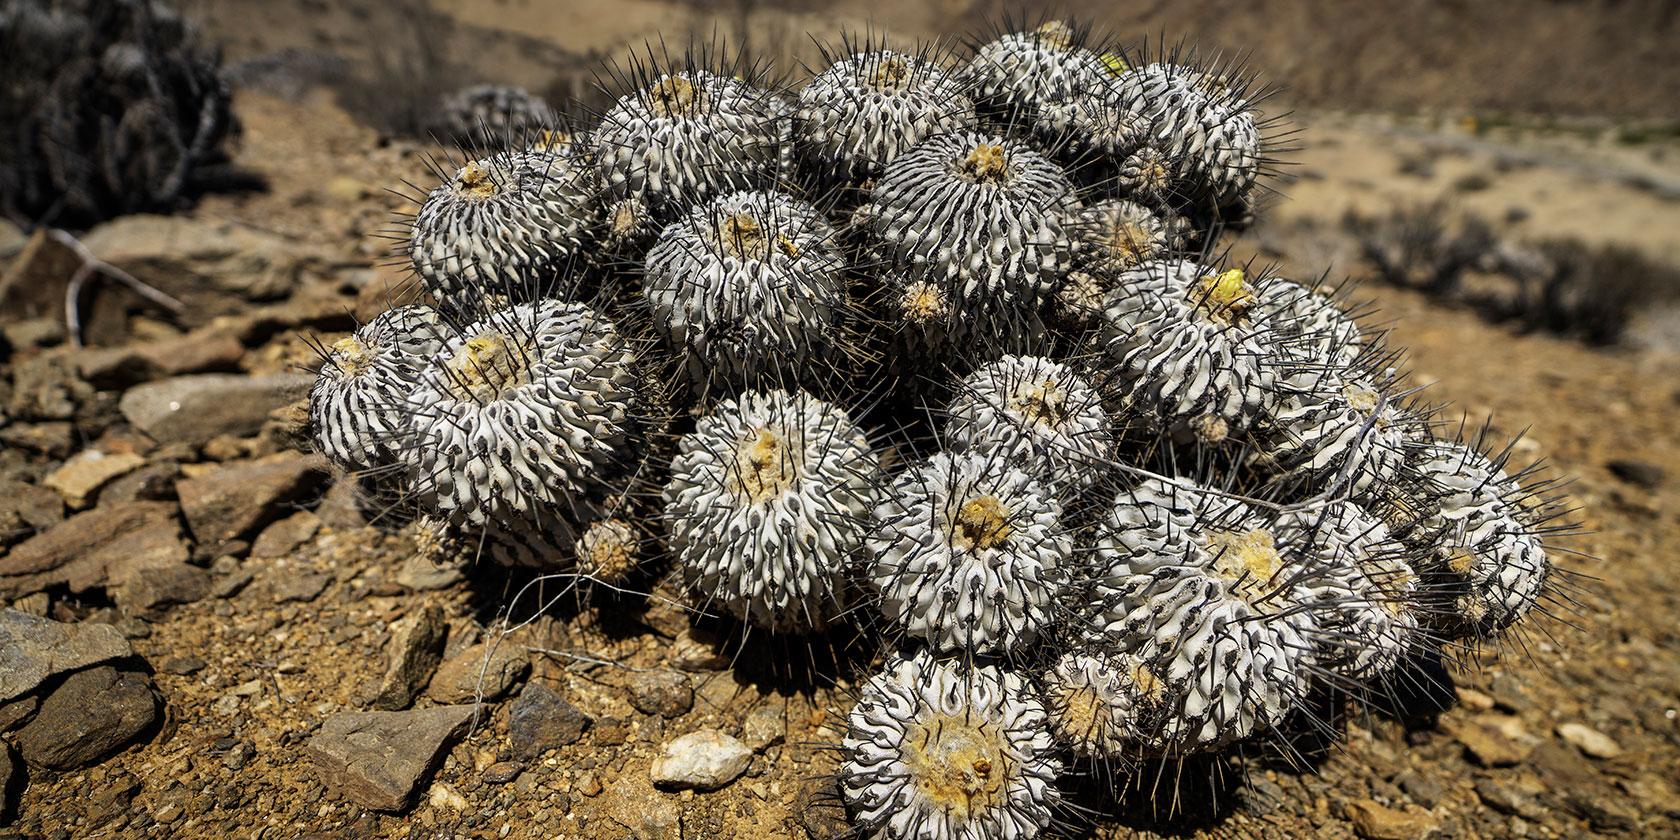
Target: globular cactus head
point(690, 128)
point(1481, 534)
point(358, 405)
point(1097, 699)
point(487, 116)
point(1043, 417)
point(1187, 337)
point(981, 215)
point(1363, 588)
point(945, 751)
point(530, 411)
point(969, 554)
point(609, 551)
point(768, 508)
point(1021, 78)
point(507, 226)
point(1117, 235)
point(1198, 587)
point(750, 289)
point(1203, 117)
point(873, 103)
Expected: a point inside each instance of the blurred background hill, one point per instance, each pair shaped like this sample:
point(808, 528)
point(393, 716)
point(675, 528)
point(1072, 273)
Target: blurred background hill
point(1558, 59)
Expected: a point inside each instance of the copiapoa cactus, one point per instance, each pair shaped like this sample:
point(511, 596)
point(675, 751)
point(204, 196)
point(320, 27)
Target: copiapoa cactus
point(943, 348)
point(751, 286)
point(935, 749)
point(507, 225)
point(109, 107)
point(482, 116)
point(768, 507)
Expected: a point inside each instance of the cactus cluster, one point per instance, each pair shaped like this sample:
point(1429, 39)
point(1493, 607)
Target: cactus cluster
point(482, 116)
point(109, 107)
point(941, 347)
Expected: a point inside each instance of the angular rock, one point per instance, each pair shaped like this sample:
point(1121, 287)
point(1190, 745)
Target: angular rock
point(479, 671)
point(763, 727)
point(26, 509)
point(34, 650)
point(82, 476)
point(641, 811)
point(377, 759)
point(119, 368)
point(34, 282)
point(1374, 821)
point(541, 720)
point(195, 409)
point(16, 712)
point(415, 650)
point(106, 546)
point(664, 693)
point(300, 586)
point(202, 351)
point(422, 575)
point(279, 539)
point(1495, 740)
point(54, 440)
point(47, 387)
point(183, 666)
point(1591, 742)
point(233, 501)
point(319, 309)
point(1508, 800)
point(33, 333)
point(200, 261)
point(114, 368)
point(113, 799)
point(8, 778)
point(165, 586)
point(1638, 473)
point(153, 482)
point(704, 760)
point(1422, 789)
point(91, 715)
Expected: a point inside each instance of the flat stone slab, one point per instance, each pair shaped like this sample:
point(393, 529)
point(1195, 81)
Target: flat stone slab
point(34, 650)
point(377, 759)
point(195, 409)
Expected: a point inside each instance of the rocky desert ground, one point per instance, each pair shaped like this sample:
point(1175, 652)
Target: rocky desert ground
point(205, 637)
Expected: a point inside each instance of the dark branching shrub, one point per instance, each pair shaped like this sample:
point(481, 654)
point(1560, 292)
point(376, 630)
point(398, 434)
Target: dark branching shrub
point(108, 107)
point(1562, 286)
point(1420, 247)
point(1591, 291)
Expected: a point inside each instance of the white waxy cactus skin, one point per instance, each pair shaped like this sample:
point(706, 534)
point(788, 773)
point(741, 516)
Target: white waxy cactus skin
point(941, 751)
point(357, 405)
point(981, 215)
point(768, 507)
point(522, 414)
point(504, 225)
point(867, 109)
point(968, 554)
point(750, 287)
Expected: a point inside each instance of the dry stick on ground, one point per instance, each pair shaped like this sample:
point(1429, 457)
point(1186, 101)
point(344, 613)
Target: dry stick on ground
point(93, 266)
